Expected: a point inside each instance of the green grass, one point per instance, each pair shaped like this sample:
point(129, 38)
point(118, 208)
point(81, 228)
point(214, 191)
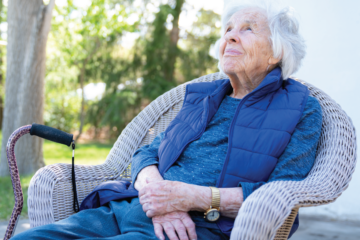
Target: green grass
point(7, 196)
point(86, 154)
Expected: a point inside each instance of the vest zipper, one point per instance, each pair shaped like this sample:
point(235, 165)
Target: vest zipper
point(221, 179)
point(193, 139)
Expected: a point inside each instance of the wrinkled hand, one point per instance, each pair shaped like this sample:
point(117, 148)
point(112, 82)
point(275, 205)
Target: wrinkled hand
point(146, 175)
point(161, 197)
point(179, 223)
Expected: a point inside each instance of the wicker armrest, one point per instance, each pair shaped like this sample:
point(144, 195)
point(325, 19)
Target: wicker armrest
point(264, 211)
point(269, 212)
point(50, 195)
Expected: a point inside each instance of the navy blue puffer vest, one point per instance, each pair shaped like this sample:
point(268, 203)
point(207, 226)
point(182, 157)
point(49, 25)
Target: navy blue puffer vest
point(259, 133)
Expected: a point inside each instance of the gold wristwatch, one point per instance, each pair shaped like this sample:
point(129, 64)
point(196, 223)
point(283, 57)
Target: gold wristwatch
point(213, 213)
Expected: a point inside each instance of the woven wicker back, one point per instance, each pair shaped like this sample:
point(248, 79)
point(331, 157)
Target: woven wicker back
point(336, 154)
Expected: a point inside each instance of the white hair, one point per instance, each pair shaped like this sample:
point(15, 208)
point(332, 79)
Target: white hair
point(285, 39)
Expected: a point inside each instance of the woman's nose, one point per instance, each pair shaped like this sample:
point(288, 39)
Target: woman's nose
point(232, 37)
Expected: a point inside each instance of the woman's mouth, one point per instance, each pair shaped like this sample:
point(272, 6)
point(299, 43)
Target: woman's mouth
point(232, 52)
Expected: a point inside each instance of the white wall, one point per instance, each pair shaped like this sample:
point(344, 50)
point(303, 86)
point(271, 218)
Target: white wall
point(331, 29)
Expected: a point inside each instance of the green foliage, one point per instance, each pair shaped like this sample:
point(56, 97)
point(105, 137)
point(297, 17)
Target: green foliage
point(87, 43)
point(116, 109)
point(78, 40)
point(62, 103)
point(157, 61)
point(81, 33)
point(196, 46)
point(157, 51)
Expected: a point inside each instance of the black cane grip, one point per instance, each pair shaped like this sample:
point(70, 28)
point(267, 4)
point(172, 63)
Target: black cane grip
point(51, 134)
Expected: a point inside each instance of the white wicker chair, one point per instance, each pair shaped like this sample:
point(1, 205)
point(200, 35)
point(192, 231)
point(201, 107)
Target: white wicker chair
point(268, 213)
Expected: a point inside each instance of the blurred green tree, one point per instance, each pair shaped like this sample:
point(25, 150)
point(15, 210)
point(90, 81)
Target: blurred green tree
point(62, 102)
point(154, 65)
point(194, 57)
point(83, 33)
point(122, 98)
point(161, 51)
point(133, 77)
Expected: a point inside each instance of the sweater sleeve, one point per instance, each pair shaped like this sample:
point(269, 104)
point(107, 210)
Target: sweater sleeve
point(299, 155)
point(145, 156)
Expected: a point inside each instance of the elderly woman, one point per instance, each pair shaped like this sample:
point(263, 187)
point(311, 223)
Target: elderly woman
point(231, 137)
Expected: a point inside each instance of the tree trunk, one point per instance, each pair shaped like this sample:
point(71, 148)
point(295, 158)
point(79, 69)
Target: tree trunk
point(1, 74)
point(174, 38)
point(82, 110)
point(1, 87)
point(28, 27)
point(82, 83)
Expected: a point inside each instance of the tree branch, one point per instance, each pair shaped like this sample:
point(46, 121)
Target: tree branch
point(47, 17)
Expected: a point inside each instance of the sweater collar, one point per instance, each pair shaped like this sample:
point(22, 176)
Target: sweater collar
point(271, 82)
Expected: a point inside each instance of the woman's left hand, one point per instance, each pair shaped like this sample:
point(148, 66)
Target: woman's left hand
point(177, 225)
point(161, 197)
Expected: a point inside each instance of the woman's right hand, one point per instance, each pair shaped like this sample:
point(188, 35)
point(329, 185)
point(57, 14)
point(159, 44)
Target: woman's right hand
point(146, 175)
point(177, 225)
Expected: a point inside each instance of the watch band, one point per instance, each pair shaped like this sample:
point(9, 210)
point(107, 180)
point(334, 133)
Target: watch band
point(215, 201)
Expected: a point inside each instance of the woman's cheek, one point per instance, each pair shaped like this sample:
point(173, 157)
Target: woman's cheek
point(254, 54)
point(222, 46)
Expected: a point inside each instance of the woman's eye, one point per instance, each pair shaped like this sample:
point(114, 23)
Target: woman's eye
point(228, 30)
point(248, 29)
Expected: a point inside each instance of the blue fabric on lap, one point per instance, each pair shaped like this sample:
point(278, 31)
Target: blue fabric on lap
point(120, 220)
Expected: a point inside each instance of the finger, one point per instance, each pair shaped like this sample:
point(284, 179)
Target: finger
point(151, 214)
point(170, 231)
point(144, 199)
point(159, 232)
point(190, 228)
point(146, 207)
point(180, 229)
point(152, 210)
point(142, 191)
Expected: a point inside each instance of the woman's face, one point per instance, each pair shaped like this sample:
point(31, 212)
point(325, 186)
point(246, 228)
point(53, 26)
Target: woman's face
point(245, 46)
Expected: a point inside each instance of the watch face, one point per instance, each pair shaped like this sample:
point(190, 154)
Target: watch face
point(212, 215)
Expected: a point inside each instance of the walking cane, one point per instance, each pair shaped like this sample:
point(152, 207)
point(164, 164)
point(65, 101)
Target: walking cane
point(45, 132)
